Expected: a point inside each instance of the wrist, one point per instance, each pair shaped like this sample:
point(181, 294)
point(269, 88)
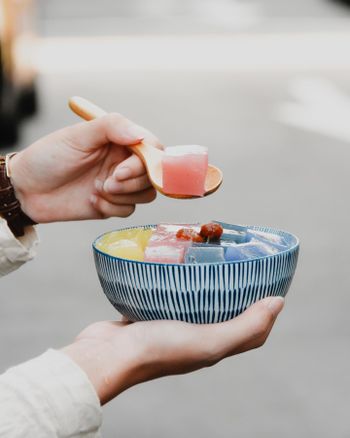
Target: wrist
point(14, 172)
point(109, 372)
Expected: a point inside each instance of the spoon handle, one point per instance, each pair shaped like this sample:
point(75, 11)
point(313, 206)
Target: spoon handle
point(85, 109)
point(89, 111)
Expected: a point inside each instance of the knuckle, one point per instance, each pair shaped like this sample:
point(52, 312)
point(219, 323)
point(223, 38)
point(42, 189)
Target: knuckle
point(112, 119)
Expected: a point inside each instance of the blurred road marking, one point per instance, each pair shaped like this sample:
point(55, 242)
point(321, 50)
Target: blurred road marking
point(282, 52)
point(320, 107)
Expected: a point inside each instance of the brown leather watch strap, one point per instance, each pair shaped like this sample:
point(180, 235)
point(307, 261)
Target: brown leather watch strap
point(10, 208)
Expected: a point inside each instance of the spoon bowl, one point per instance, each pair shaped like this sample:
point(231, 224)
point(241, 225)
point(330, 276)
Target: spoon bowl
point(150, 156)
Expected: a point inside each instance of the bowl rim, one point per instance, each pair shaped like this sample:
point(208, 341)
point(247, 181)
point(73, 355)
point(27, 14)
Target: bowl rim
point(276, 231)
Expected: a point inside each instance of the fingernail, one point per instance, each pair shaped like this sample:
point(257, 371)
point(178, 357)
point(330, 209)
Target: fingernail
point(98, 185)
point(275, 304)
point(93, 199)
point(122, 173)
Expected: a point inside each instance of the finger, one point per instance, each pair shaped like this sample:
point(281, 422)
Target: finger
point(136, 184)
point(111, 128)
point(247, 331)
point(106, 209)
point(142, 197)
point(132, 167)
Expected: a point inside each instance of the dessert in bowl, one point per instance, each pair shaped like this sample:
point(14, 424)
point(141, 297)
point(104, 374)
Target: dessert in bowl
point(193, 273)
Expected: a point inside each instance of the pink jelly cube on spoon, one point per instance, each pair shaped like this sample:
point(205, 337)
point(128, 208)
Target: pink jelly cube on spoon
point(185, 169)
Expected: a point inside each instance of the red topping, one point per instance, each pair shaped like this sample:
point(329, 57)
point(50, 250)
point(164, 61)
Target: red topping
point(189, 234)
point(211, 231)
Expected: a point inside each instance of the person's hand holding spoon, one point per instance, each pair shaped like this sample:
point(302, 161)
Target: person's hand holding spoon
point(150, 156)
point(83, 171)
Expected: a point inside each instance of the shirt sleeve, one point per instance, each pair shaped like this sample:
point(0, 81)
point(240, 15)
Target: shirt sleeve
point(14, 252)
point(49, 396)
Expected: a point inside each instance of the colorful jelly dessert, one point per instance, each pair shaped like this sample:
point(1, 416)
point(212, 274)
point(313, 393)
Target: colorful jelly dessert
point(164, 254)
point(184, 170)
point(205, 254)
point(246, 251)
point(178, 243)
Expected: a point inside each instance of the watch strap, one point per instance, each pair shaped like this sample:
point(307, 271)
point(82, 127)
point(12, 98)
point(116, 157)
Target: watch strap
point(10, 207)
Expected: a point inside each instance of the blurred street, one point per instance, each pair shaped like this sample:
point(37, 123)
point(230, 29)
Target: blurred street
point(280, 169)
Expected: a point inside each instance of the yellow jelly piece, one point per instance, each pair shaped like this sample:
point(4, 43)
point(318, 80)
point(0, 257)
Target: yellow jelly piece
point(119, 235)
point(139, 235)
point(144, 236)
point(124, 248)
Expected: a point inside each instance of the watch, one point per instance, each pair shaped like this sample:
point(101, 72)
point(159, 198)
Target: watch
point(10, 207)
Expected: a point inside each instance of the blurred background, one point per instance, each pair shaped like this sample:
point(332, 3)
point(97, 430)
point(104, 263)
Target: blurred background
point(266, 86)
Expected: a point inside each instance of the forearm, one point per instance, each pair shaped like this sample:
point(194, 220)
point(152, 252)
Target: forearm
point(48, 396)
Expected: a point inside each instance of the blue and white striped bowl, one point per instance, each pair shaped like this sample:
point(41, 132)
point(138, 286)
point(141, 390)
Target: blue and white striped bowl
point(201, 293)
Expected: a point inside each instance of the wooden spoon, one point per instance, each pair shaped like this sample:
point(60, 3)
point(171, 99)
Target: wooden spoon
point(150, 156)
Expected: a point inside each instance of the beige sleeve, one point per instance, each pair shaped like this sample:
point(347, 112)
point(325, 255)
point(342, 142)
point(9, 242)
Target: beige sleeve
point(14, 252)
point(49, 396)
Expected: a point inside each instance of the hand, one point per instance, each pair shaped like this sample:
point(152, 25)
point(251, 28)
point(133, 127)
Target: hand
point(118, 355)
point(83, 172)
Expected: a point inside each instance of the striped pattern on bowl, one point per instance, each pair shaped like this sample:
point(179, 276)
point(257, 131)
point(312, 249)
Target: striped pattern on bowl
point(201, 293)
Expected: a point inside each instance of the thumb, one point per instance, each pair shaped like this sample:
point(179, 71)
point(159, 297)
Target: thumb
point(250, 329)
point(111, 128)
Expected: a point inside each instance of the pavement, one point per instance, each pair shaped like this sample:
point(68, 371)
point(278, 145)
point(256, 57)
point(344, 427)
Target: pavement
point(275, 173)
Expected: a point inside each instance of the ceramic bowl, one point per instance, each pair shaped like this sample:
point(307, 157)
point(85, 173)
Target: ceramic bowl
point(197, 293)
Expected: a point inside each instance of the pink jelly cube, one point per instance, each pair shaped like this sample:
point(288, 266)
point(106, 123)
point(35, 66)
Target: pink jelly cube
point(164, 254)
point(185, 169)
point(167, 239)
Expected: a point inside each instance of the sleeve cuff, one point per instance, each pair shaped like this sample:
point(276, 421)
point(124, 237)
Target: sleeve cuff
point(16, 251)
point(58, 397)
